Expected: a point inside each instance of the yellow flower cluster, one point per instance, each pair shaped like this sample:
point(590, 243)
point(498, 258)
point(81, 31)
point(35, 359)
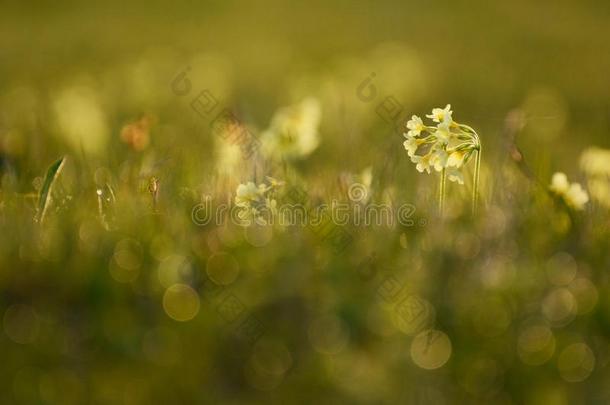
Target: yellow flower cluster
point(446, 146)
point(256, 203)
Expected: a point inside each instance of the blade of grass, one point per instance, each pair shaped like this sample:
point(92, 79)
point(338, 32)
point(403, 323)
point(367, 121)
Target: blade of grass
point(47, 186)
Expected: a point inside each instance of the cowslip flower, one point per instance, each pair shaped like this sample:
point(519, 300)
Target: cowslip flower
point(445, 147)
point(415, 126)
point(572, 194)
point(595, 163)
point(442, 114)
point(456, 158)
point(559, 183)
point(454, 175)
point(412, 144)
point(293, 132)
point(422, 163)
point(256, 202)
point(248, 193)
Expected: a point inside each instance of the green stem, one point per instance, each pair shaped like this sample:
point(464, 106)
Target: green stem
point(441, 196)
point(477, 167)
point(475, 181)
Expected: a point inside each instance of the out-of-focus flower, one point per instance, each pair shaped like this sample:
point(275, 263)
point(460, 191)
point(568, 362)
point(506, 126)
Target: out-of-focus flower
point(455, 175)
point(274, 182)
point(572, 193)
point(560, 183)
point(81, 120)
point(600, 190)
point(137, 134)
point(228, 157)
point(595, 162)
point(248, 193)
point(293, 132)
point(256, 202)
point(443, 115)
point(576, 196)
point(357, 186)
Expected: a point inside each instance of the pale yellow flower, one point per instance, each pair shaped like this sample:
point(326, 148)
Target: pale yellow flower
point(442, 115)
point(576, 197)
point(455, 175)
point(600, 190)
point(560, 183)
point(572, 194)
point(422, 163)
point(293, 132)
point(415, 126)
point(256, 202)
point(411, 145)
point(456, 158)
point(451, 144)
point(442, 133)
point(439, 159)
point(595, 161)
point(247, 193)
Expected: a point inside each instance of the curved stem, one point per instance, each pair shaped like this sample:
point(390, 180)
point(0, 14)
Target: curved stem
point(475, 182)
point(441, 197)
point(477, 167)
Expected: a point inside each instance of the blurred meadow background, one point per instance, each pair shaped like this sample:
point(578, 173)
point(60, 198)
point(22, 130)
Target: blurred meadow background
point(113, 292)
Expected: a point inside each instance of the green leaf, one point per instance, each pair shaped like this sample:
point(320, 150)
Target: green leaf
point(47, 186)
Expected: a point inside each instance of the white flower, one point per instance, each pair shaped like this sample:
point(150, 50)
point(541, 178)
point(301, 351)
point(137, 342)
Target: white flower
point(415, 126)
point(599, 188)
point(442, 133)
point(255, 202)
point(411, 145)
point(366, 177)
point(228, 157)
point(595, 161)
point(442, 115)
point(293, 132)
point(422, 162)
point(455, 175)
point(559, 183)
point(248, 193)
point(456, 158)
point(439, 159)
point(572, 194)
point(576, 197)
